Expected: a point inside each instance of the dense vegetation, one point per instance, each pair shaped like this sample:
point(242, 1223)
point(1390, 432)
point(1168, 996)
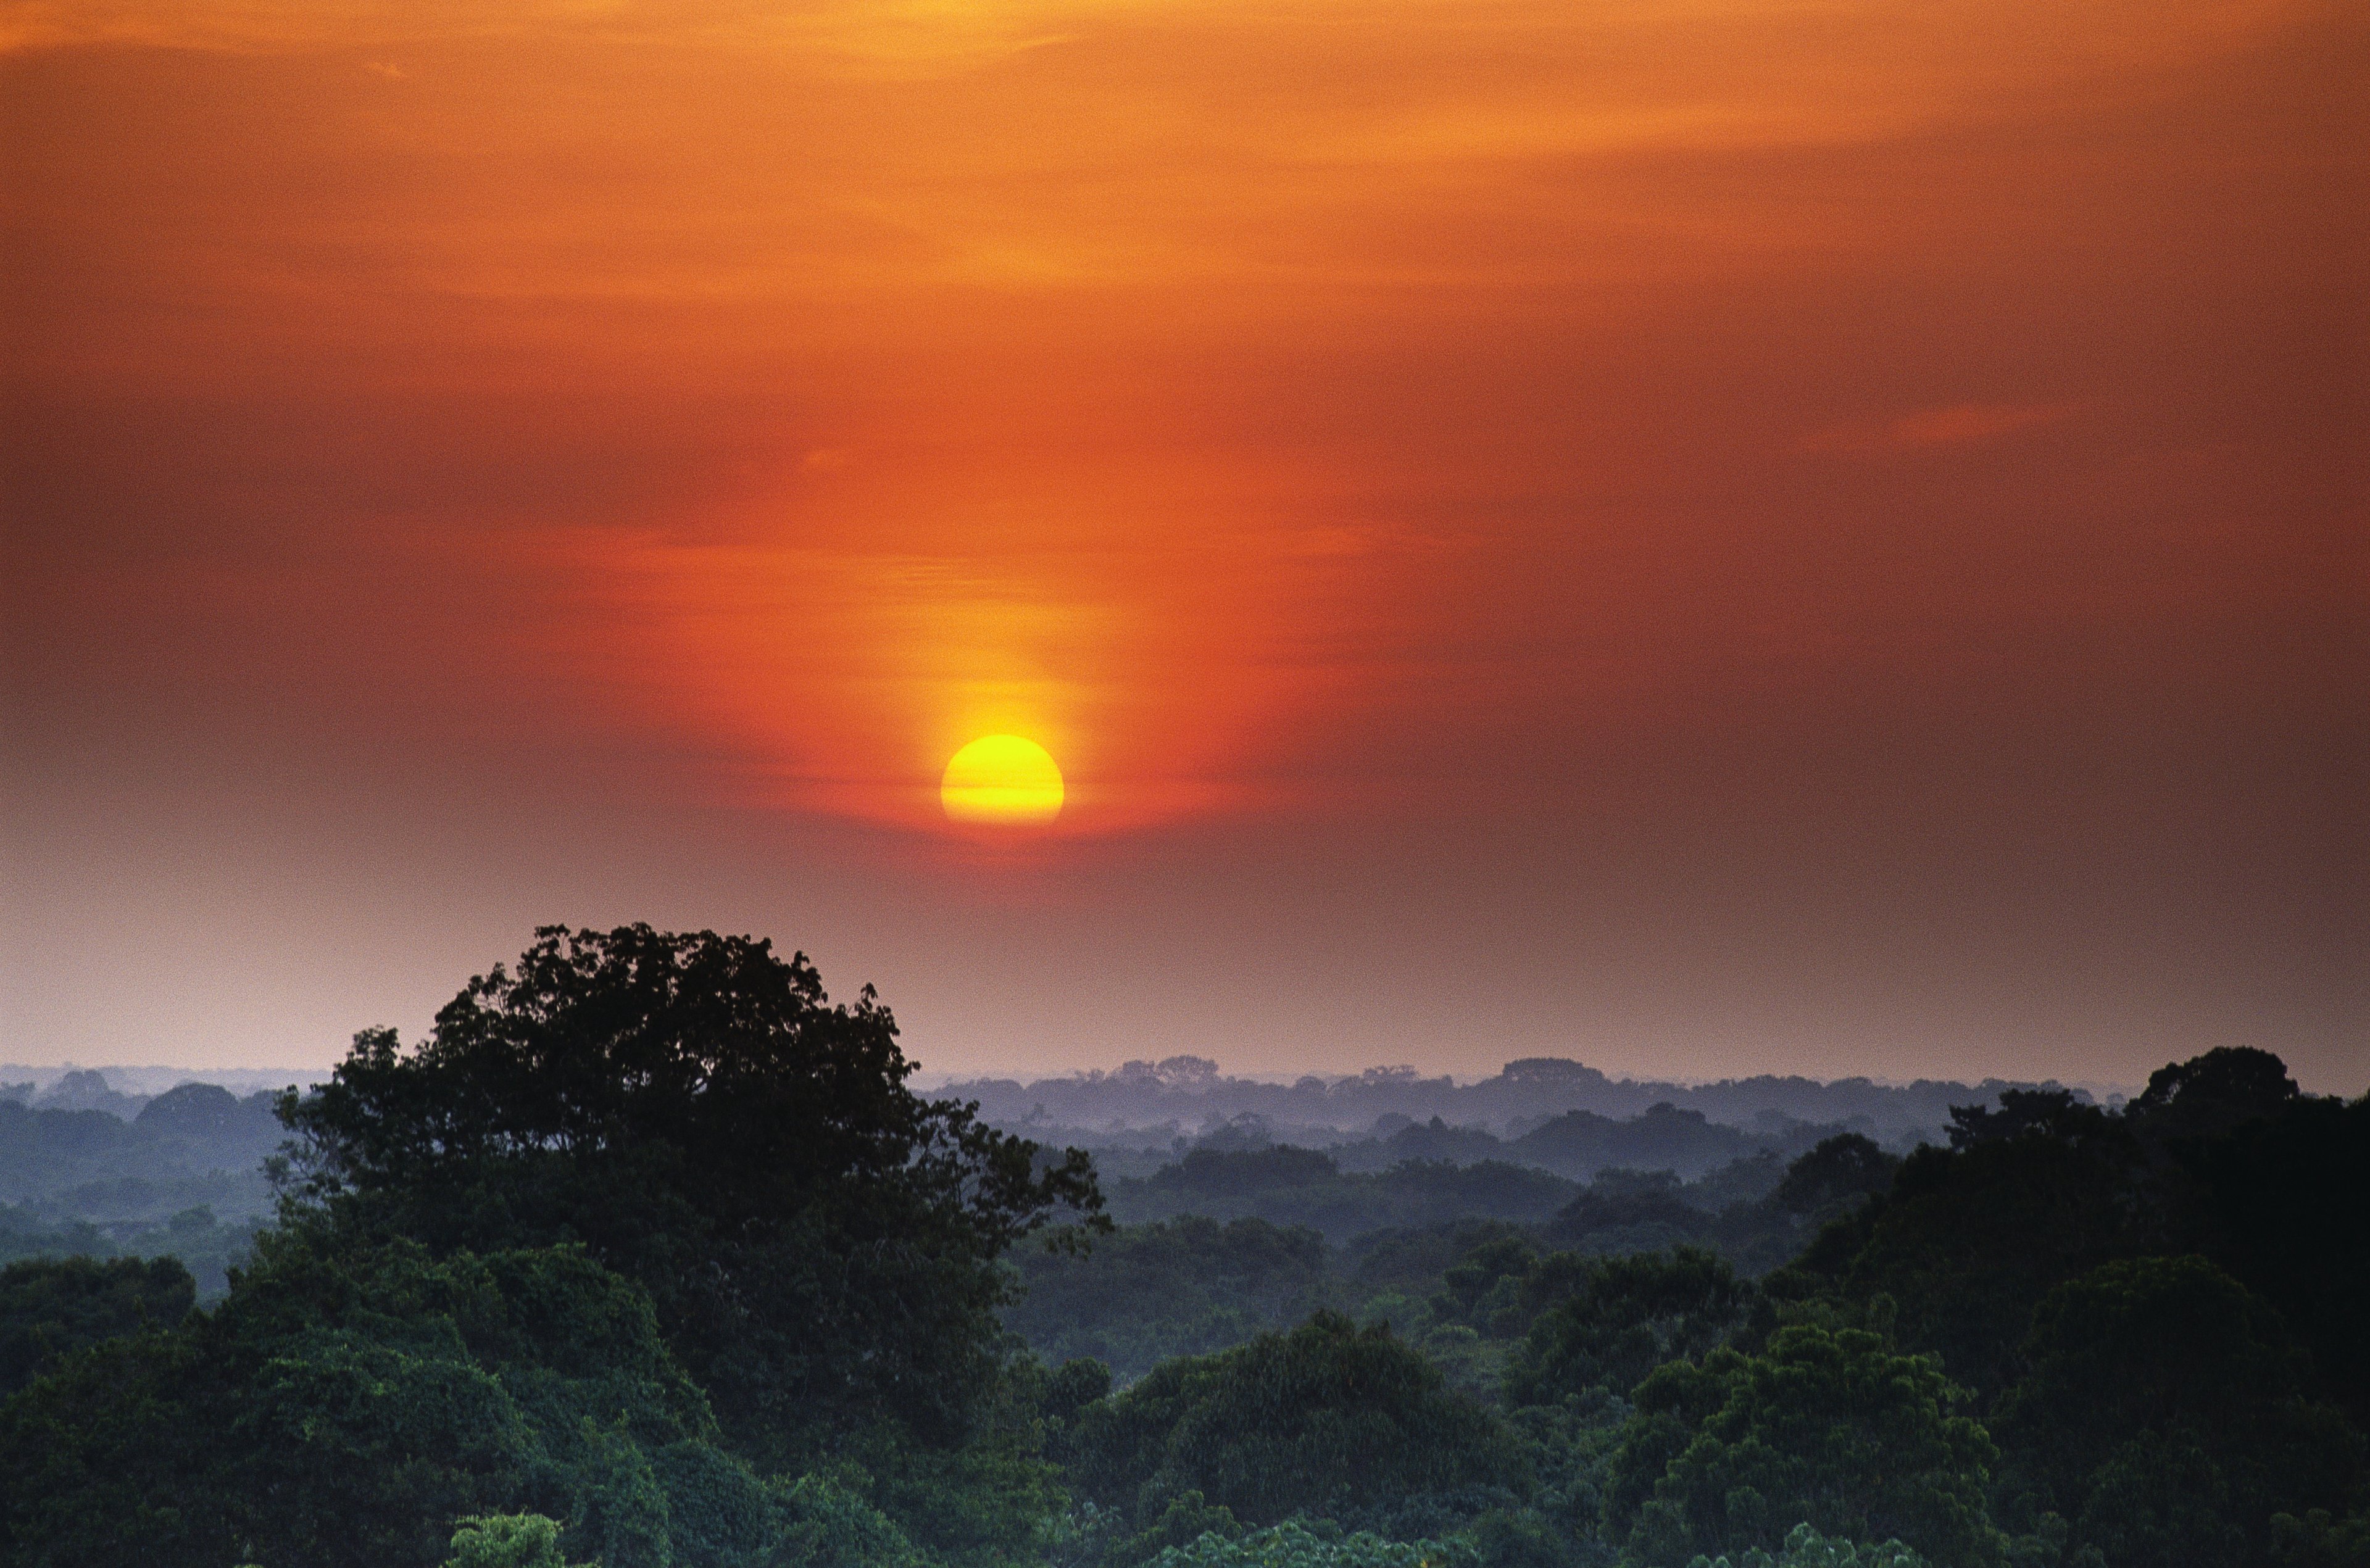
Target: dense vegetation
point(648, 1256)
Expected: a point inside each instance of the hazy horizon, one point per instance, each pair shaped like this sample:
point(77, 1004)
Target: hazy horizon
point(928, 1080)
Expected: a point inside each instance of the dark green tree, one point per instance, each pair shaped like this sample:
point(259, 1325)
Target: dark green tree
point(507, 1541)
point(1839, 1171)
point(2321, 1540)
point(2222, 1157)
point(2055, 1114)
point(349, 1408)
point(1628, 1316)
point(1965, 1242)
point(1181, 1286)
point(1832, 1428)
point(52, 1307)
point(1629, 1211)
point(820, 1241)
point(2210, 1094)
point(1329, 1419)
point(1482, 1289)
point(2283, 1203)
point(2164, 1411)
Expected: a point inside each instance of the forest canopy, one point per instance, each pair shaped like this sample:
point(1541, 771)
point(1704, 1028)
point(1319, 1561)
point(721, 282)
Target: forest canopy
point(649, 1254)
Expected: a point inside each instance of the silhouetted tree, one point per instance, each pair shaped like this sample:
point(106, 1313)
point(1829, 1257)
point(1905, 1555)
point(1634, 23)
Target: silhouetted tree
point(2212, 1093)
point(1840, 1171)
point(2283, 1202)
point(2165, 1412)
point(820, 1241)
point(2026, 1113)
point(1967, 1242)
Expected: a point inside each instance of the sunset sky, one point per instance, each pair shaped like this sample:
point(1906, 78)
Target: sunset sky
point(1708, 536)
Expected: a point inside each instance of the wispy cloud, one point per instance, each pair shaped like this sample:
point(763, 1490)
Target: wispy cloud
point(1951, 425)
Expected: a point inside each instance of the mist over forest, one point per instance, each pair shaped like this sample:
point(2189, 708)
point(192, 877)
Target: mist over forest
point(167, 1161)
point(648, 1256)
point(1145, 1102)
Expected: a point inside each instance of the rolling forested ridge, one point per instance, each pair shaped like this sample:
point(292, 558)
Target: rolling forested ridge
point(650, 1253)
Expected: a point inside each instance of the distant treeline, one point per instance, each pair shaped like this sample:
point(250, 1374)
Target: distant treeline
point(122, 1091)
point(183, 1178)
point(1187, 1094)
point(1249, 1241)
point(1576, 1144)
point(1304, 1188)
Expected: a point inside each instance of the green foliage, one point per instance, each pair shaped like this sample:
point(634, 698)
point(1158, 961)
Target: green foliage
point(1326, 1419)
point(1837, 1174)
point(1755, 1211)
point(1539, 1328)
point(1624, 1318)
point(2281, 1201)
point(2154, 1406)
point(1188, 1519)
point(1183, 1287)
point(207, 1247)
point(2160, 1498)
point(1583, 1144)
point(49, 1309)
point(1294, 1544)
point(2164, 1412)
point(1966, 1242)
point(2053, 1113)
point(1806, 1548)
point(819, 1241)
point(26, 1234)
point(91, 1185)
point(1483, 1289)
point(1535, 1536)
point(2321, 1540)
point(1481, 1303)
point(507, 1541)
point(2214, 1159)
point(994, 1501)
point(1410, 1263)
point(1072, 1386)
point(1629, 1211)
point(1833, 1427)
point(1289, 1187)
point(831, 1526)
point(345, 1408)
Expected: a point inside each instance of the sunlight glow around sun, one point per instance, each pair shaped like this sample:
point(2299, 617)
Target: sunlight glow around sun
point(1002, 779)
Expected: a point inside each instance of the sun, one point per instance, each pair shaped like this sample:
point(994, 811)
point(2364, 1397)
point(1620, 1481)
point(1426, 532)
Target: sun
point(1002, 779)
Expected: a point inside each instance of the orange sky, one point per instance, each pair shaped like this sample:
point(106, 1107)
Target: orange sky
point(1709, 536)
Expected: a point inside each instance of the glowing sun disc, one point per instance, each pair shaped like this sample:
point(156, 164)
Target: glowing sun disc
point(1003, 779)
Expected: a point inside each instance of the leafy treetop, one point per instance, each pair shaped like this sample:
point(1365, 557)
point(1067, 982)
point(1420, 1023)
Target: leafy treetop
point(818, 1241)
